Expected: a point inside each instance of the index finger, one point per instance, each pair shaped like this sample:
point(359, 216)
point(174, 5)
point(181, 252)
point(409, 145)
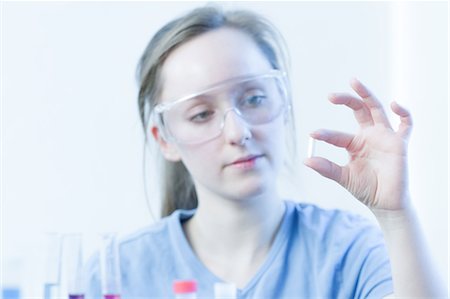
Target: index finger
point(375, 107)
point(360, 109)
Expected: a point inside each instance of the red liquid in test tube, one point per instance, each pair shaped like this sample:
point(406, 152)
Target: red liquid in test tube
point(110, 266)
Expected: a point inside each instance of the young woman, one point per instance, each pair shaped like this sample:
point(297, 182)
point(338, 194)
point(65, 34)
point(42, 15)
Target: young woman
point(214, 93)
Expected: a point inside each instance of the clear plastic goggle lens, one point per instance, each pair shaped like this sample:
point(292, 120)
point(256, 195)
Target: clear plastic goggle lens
point(201, 117)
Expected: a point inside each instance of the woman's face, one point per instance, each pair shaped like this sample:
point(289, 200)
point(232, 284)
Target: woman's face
point(208, 59)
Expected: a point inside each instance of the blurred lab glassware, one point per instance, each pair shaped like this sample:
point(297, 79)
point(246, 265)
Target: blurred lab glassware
point(12, 282)
point(185, 289)
point(73, 265)
point(224, 290)
point(53, 251)
point(110, 266)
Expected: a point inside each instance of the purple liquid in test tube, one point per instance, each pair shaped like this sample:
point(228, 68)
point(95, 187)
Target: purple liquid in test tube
point(111, 296)
point(73, 265)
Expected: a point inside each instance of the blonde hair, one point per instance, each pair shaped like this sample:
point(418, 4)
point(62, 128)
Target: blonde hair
point(178, 189)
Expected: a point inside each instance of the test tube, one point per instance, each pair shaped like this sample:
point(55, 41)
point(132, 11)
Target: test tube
point(185, 289)
point(110, 266)
point(224, 290)
point(73, 265)
point(12, 283)
point(52, 265)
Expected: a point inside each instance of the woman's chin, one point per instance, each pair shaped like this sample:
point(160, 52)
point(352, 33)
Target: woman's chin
point(250, 190)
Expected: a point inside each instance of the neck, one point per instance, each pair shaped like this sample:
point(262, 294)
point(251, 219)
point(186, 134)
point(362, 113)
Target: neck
point(232, 237)
point(222, 226)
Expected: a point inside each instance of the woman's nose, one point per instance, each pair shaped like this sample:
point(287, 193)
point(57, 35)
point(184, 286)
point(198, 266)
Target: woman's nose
point(235, 129)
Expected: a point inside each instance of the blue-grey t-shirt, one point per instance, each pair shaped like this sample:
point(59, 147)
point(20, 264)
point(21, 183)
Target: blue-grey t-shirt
point(316, 253)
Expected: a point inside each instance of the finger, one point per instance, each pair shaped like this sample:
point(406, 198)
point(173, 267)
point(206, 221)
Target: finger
point(376, 109)
point(335, 138)
point(325, 168)
point(406, 123)
point(360, 110)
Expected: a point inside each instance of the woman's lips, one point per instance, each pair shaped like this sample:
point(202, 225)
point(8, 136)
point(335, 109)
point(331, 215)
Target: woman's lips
point(246, 162)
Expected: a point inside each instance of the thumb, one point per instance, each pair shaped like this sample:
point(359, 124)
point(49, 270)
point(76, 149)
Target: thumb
point(325, 168)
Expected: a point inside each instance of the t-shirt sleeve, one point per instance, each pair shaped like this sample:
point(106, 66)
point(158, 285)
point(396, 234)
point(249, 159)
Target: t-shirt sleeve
point(367, 261)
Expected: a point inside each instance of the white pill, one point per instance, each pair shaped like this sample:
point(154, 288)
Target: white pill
point(311, 147)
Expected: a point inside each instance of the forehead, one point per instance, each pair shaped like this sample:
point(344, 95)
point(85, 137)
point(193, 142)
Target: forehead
point(208, 59)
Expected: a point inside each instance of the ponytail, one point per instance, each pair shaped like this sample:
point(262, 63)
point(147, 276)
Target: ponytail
point(178, 188)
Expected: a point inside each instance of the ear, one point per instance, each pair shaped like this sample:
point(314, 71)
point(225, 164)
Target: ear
point(168, 149)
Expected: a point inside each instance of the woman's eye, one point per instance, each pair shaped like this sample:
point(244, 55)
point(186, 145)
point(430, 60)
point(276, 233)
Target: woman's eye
point(254, 101)
point(202, 116)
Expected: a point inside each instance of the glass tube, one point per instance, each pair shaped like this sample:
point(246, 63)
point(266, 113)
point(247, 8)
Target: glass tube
point(224, 290)
point(52, 265)
point(73, 265)
point(110, 266)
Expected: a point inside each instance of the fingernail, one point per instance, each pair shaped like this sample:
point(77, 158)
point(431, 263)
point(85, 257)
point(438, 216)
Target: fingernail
point(307, 162)
point(317, 133)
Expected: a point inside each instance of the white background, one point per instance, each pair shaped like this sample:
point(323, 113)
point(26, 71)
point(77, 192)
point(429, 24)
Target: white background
point(71, 138)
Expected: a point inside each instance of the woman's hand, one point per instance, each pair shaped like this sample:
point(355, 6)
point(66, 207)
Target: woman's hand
point(376, 173)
